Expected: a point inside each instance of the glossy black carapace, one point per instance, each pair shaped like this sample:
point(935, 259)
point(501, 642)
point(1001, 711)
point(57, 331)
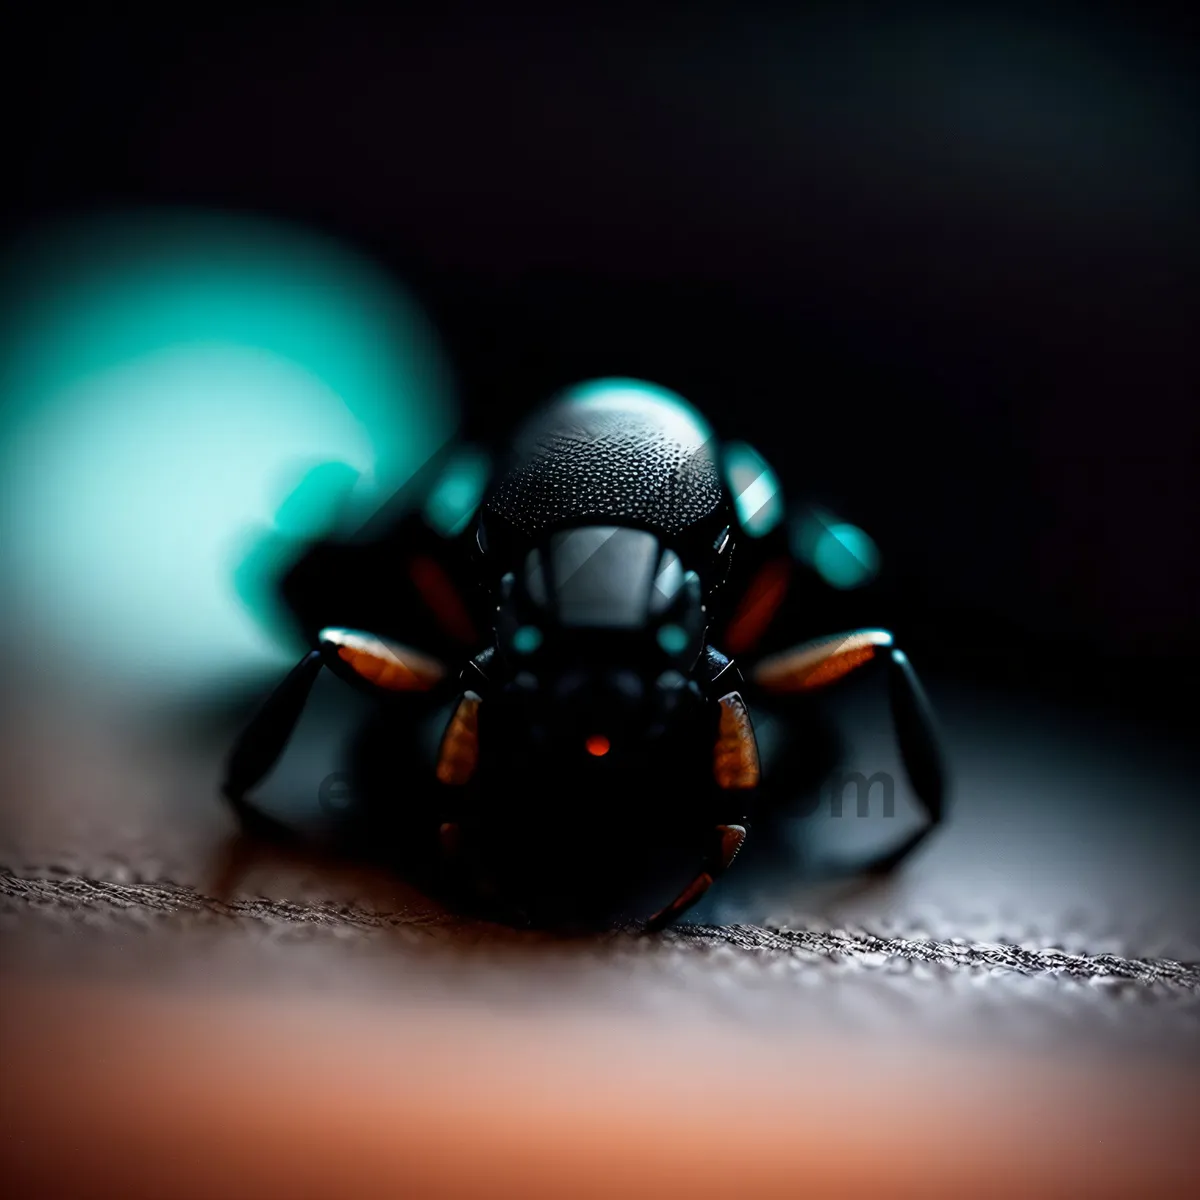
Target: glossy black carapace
point(575, 636)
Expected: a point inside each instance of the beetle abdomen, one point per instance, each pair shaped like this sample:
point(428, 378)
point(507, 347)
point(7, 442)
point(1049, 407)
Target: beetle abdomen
point(611, 454)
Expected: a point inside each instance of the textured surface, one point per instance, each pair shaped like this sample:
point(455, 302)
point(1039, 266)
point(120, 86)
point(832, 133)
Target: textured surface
point(1050, 905)
point(576, 465)
point(66, 898)
point(1035, 974)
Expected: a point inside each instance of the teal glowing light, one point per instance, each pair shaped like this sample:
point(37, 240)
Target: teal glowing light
point(845, 557)
point(673, 639)
point(186, 397)
point(527, 639)
point(311, 508)
point(757, 495)
point(636, 396)
point(456, 495)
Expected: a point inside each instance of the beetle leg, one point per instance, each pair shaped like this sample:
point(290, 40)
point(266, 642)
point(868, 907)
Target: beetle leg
point(458, 754)
point(386, 665)
point(262, 743)
point(735, 756)
point(920, 749)
point(458, 758)
point(817, 664)
point(735, 767)
point(729, 839)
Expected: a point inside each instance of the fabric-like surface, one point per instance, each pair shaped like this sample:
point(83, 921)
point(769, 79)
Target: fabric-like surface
point(1049, 930)
point(66, 898)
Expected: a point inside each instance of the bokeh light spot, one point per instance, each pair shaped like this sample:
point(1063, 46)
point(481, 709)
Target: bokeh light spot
point(845, 557)
point(673, 639)
point(755, 487)
point(527, 639)
point(456, 495)
point(187, 395)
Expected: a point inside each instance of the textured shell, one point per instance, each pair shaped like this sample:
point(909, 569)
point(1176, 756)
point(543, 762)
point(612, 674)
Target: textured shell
point(613, 458)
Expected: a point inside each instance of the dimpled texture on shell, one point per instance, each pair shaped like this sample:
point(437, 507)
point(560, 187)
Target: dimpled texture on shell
point(572, 465)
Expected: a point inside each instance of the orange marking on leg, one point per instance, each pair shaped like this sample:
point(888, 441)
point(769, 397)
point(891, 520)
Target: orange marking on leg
point(385, 673)
point(732, 837)
point(459, 753)
point(385, 664)
point(818, 664)
point(735, 756)
point(835, 667)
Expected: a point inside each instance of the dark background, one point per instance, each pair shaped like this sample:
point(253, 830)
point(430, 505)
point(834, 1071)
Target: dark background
point(940, 267)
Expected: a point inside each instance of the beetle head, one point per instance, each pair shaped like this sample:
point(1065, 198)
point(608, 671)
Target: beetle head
point(598, 667)
point(598, 630)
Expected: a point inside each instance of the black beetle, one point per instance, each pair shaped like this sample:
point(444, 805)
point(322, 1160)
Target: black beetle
point(591, 599)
